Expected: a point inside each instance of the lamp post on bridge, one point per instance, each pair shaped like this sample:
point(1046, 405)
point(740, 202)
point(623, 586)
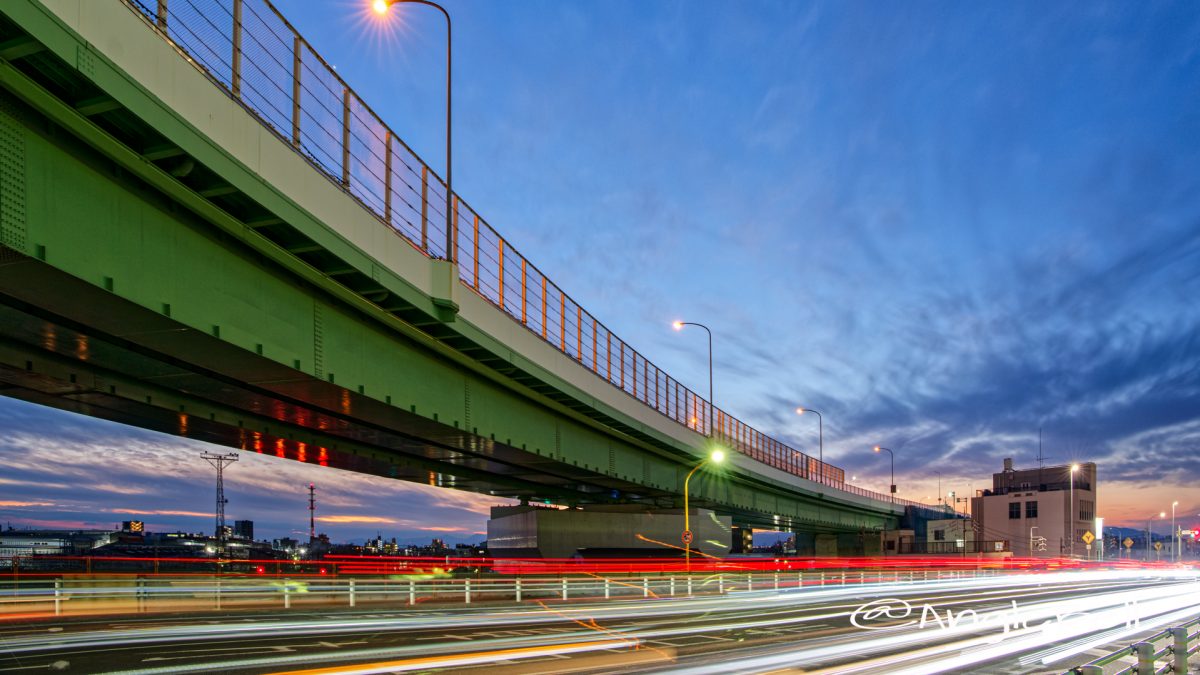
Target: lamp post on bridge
point(381, 8)
point(1150, 532)
point(678, 325)
point(1072, 512)
point(892, 457)
point(716, 457)
point(820, 440)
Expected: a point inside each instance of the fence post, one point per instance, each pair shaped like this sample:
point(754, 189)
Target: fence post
point(843, 578)
point(351, 592)
point(749, 581)
point(58, 597)
point(777, 581)
point(345, 137)
point(720, 583)
point(236, 68)
point(1145, 658)
point(425, 211)
point(672, 586)
point(297, 43)
point(412, 592)
point(287, 595)
point(606, 590)
point(689, 585)
point(564, 588)
point(387, 177)
point(645, 587)
point(218, 590)
point(1180, 648)
point(822, 579)
point(466, 591)
point(518, 589)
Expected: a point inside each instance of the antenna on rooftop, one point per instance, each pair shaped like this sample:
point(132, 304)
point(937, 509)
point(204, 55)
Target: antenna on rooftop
point(312, 513)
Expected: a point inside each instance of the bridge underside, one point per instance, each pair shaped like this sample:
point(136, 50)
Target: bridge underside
point(126, 294)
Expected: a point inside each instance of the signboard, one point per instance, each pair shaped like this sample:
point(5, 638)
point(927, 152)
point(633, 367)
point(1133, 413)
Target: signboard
point(687, 536)
point(1128, 542)
point(1088, 538)
point(999, 546)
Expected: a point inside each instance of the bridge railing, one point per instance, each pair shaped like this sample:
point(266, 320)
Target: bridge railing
point(133, 594)
point(251, 51)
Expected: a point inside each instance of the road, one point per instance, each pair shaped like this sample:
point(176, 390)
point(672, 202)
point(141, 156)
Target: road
point(1018, 623)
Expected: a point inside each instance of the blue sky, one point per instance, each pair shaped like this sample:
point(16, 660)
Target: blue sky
point(944, 225)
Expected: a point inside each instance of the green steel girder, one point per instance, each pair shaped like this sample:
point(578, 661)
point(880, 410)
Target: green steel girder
point(162, 229)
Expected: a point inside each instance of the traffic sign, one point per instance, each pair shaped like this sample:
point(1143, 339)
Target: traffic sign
point(687, 536)
point(1088, 537)
point(1128, 542)
point(1158, 546)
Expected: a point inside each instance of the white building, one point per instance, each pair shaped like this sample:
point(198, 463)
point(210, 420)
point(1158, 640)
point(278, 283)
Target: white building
point(1042, 512)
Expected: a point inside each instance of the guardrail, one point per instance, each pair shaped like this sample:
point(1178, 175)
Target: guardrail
point(249, 49)
point(1172, 648)
point(61, 596)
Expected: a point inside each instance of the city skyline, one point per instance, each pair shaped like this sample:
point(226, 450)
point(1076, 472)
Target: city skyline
point(933, 247)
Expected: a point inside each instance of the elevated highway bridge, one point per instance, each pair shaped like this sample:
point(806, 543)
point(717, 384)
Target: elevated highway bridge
point(206, 232)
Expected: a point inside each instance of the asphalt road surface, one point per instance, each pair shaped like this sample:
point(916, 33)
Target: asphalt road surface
point(1021, 623)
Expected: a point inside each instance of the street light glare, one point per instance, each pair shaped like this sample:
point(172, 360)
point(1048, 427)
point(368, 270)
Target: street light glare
point(717, 456)
point(380, 7)
point(876, 448)
point(1074, 468)
point(677, 325)
point(799, 411)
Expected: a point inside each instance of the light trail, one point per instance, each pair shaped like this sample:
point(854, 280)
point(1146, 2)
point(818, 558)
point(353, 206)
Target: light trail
point(891, 645)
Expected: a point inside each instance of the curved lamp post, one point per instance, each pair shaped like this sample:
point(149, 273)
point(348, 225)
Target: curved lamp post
point(891, 456)
point(820, 439)
point(716, 457)
point(381, 7)
point(678, 325)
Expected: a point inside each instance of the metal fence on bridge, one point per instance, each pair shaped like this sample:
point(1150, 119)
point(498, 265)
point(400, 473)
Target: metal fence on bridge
point(253, 53)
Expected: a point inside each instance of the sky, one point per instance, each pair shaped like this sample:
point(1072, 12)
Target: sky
point(943, 225)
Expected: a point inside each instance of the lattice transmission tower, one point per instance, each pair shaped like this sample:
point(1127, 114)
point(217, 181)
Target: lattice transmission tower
point(218, 462)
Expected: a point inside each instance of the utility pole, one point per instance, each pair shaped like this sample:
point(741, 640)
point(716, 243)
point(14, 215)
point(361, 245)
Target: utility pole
point(218, 462)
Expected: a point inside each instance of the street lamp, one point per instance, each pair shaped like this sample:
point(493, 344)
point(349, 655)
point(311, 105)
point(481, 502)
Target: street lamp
point(820, 439)
point(1174, 532)
point(1150, 531)
point(678, 325)
point(891, 456)
point(381, 8)
point(1072, 511)
point(716, 457)
point(939, 475)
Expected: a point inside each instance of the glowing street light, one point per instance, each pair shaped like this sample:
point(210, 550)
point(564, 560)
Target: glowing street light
point(381, 8)
point(820, 440)
point(717, 456)
point(1072, 512)
point(892, 457)
point(678, 325)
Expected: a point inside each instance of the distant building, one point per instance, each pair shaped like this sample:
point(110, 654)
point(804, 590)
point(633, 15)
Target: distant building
point(1042, 511)
point(243, 529)
point(29, 543)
